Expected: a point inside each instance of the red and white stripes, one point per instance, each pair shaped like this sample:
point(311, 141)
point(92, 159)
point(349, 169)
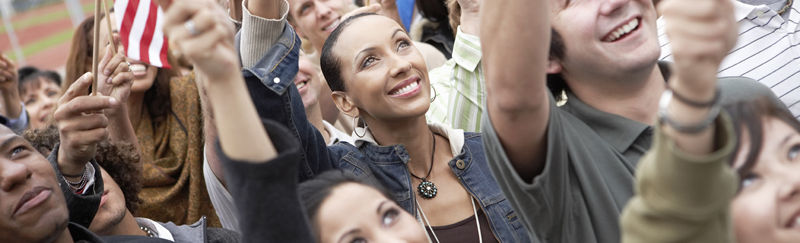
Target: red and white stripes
point(140, 29)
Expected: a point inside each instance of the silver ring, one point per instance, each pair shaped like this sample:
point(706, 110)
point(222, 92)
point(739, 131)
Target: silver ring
point(189, 25)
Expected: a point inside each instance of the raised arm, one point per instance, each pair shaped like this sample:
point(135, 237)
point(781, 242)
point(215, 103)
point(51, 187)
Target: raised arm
point(210, 49)
point(261, 174)
point(684, 183)
point(515, 37)
point(10, 101)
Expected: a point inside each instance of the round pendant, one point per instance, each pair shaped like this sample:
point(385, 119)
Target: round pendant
point(427, 189)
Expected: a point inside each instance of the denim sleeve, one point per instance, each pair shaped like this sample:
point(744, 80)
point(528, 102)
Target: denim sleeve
point(272, 90)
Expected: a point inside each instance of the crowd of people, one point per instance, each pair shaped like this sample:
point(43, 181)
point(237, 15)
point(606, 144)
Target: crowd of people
point(415, 121)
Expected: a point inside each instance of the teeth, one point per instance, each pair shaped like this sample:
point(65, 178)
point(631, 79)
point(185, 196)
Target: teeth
point(331, 26)
point(406, 89)
point(627, 28)
point(137, 68)
point(301, 85)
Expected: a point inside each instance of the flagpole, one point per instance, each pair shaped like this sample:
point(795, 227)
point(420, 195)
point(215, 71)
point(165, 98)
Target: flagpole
point(95, 44)
point(108, 25)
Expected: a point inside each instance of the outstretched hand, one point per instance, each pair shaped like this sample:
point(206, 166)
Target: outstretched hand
point(202, 33)
point(702, 32)
point(81, 125)
point(8, 74)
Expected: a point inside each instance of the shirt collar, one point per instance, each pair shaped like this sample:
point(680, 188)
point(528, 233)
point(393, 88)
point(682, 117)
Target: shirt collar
point(467, 50)
point(619, 131)
point(160, 231)
point(743, 10)
point(455, 136)
point(335, 134)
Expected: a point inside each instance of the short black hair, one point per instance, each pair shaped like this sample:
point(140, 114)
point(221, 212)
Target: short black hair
point(328, 62)
point(29, 74)
point(556, 82)
point(313, 192)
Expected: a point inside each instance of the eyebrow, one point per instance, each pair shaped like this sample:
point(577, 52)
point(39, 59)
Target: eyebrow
point(352, 231)
point(355, 60)
point(786, 140)
point(358, 55)
point(8, 142)
point(398, 30)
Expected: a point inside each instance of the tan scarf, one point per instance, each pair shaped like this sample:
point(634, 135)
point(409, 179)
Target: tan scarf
point(172, 155)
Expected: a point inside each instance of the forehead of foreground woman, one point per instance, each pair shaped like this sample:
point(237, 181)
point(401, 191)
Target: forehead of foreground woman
point(358, 213)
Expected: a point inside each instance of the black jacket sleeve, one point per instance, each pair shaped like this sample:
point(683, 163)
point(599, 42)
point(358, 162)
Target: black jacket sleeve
point(266, 193)
point(82, 208)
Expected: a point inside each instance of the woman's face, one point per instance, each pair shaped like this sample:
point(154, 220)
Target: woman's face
point(143, 75)
point(355, 213)
point(767, 209)
point(40, 98)
point(384, 74)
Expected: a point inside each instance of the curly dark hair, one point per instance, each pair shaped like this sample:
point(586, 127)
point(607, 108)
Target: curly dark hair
point(120, 160)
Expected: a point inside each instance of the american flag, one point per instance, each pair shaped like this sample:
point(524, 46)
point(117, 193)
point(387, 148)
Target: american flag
point(139, 23)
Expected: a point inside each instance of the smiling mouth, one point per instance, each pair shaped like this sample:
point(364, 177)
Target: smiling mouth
point(623, 31)
point(139, 70)
point(330, 27)
point(301, 84)
point(794, 222)
point(410, 87)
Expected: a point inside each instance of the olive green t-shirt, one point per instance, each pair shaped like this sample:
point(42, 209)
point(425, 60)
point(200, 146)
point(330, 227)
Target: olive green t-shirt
point(589, 172)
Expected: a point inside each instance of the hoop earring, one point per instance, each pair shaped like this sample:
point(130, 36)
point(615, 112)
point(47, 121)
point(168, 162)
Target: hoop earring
point(355, 129)
point(435, 94)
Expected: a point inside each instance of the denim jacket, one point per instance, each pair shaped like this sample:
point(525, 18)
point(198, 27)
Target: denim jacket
point(273, 92)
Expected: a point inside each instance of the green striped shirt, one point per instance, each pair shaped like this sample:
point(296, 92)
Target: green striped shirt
point(459, 87)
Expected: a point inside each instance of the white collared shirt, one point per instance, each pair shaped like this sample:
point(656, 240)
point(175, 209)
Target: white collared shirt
point(768, 50)
point(336, 135)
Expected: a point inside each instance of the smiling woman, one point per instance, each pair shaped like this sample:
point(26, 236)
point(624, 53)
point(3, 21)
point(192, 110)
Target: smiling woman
point(434, 172)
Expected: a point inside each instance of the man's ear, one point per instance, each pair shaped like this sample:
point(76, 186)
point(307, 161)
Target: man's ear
point(553, 66)
point(345, 103)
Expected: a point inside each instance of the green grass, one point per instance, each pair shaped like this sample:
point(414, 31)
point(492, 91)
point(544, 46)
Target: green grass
point(40, 45)
point(52, 17)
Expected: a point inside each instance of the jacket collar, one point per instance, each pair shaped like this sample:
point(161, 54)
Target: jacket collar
point(455, 136)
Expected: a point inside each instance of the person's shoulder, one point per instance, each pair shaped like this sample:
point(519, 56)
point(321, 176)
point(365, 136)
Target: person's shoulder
point(737, 88)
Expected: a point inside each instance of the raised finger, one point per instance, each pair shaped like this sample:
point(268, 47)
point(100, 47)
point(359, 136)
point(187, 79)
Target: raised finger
point(84, 105)
point(121, 78)
point(78, 88)
point(85, 122)
point(90, 137)
point(103, 65)
point(117, 59)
